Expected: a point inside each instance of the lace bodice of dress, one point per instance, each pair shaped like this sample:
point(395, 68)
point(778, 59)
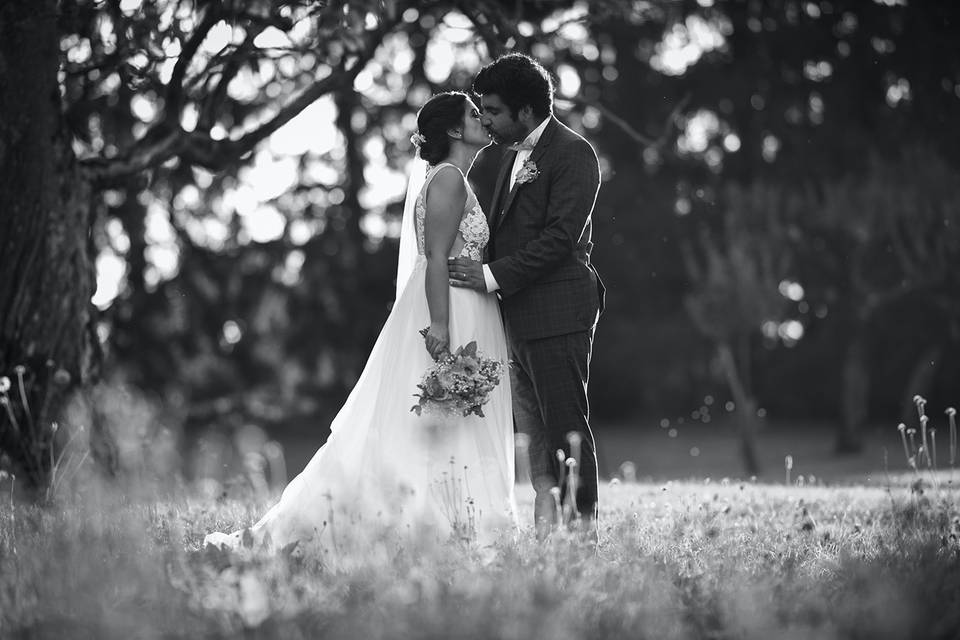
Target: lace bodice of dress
point(473, 224)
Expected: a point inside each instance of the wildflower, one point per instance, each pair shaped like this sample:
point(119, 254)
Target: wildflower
point(933, 447)
point(923, 435)
point(19, 369)
point(951, 415)
point(903, 437)
point(555, 492)
point(4, 384)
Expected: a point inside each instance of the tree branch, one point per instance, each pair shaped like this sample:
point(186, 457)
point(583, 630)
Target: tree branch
point(199, 149)
point(230, 69)
point(625, 126)
point(214, 155)
point(480, 15)
point(174, 99)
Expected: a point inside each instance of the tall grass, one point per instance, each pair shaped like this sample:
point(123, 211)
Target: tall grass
point(123, 559)
point(681, 560)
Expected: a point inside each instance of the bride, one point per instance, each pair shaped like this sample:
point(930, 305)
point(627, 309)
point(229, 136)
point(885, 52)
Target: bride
point(386, 471)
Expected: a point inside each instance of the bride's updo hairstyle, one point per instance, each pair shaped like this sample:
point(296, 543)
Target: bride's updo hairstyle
point(441, 113)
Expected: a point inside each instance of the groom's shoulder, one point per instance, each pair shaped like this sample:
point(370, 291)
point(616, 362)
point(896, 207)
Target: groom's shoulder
point(573, 141)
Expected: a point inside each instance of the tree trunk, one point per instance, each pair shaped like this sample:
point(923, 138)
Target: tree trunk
point(856, 391)
point(46, 270)
point(747, 427)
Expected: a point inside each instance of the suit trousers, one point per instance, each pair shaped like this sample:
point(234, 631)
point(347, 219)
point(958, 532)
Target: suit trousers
point(549, 377)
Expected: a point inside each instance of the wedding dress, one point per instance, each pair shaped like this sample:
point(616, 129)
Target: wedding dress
point(386, 471)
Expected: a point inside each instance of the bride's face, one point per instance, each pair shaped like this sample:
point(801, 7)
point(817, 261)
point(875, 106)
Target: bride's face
point(473, 132)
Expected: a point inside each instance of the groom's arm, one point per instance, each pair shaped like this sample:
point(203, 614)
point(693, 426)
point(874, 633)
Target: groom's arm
point(574, 183)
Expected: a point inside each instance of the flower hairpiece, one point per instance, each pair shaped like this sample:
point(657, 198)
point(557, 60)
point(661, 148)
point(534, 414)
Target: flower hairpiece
point(417, 139)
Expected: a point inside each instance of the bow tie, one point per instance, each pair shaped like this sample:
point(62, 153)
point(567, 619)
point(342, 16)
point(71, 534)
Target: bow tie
point(521, 146)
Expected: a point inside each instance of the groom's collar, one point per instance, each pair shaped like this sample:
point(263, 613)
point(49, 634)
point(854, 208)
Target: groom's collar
point(534, 136)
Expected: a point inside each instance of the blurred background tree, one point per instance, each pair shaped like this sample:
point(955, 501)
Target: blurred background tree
point(230, 175)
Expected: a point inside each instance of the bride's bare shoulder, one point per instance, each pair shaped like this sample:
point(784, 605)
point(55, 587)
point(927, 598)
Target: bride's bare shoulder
point(448, 182)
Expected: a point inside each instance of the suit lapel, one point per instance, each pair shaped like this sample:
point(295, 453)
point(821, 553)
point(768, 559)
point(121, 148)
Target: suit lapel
point(503, 179)
point(535, 156)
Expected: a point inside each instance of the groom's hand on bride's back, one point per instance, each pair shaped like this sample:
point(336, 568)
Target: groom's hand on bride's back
point(466, 273)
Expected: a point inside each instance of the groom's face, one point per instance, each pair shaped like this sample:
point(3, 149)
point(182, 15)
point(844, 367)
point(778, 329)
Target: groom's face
point(499, 121)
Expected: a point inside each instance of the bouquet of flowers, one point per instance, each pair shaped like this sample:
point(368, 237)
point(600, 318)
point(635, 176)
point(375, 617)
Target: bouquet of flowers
point(459, 383)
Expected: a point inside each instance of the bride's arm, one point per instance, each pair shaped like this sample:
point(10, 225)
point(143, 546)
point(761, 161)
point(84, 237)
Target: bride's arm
point(445, 199)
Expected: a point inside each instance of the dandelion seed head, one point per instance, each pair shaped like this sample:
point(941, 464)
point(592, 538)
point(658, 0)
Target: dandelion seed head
point(571, 462)
point(4, 384)
point(924, 419)
point(561, 456)
point(902, 427)
point(555, 492)
point(788, 462)
point(574, 438)
point(951, 411)
point(19, 369)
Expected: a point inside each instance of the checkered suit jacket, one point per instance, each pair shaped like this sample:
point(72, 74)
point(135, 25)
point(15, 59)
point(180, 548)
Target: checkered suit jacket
point(539, 250)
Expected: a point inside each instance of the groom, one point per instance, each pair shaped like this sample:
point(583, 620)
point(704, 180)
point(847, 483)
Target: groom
point(539, 263)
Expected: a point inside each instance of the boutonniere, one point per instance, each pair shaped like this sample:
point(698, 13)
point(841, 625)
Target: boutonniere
point(528, 172)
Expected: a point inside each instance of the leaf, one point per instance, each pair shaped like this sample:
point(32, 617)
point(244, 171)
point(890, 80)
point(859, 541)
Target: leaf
point(470, 349)
point(288, 550)
point(247, 538)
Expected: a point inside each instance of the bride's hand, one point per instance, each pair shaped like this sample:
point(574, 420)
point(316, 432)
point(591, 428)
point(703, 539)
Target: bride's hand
point(437, 340)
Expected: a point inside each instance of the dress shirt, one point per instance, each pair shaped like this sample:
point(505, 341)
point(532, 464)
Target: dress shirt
point(529, 142)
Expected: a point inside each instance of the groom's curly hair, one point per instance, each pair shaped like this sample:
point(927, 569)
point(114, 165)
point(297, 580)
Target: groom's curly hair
point(438, 115)
point(520, 81)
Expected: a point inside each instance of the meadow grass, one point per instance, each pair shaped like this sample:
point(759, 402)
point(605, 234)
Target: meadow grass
point(676, 560)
